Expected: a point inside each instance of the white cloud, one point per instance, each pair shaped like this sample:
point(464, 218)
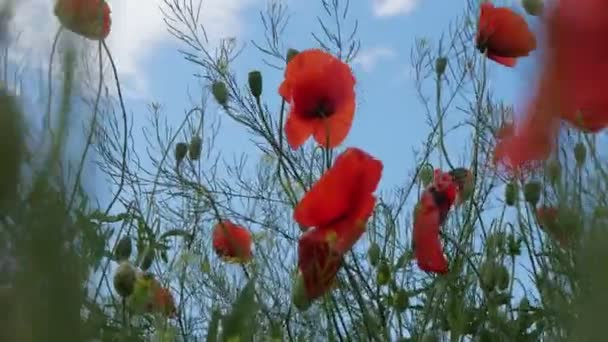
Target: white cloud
point(367, 59)
point(387, 8)
point(137, 30)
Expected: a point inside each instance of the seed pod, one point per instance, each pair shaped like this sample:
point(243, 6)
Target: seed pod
point(532, 192)
point(220, 92)
point(580, 154)
point(124, 279)
point(383, 275)
point(511, 194)
point(373, 253)
point(255, 83)
point(533, 7)
point(181, 149)
point(291, 53)
point(123, 249)
point(440, 65)
point(401, 300)
point(426, 174)
point(195, 147)
point(514, 246)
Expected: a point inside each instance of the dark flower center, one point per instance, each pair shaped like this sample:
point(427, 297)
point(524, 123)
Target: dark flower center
point(442, 202)
point(324, 108)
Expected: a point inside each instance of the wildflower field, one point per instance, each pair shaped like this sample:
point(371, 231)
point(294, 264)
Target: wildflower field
point(123, 224)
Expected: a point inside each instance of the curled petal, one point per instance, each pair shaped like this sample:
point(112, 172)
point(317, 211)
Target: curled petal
point(427, 246)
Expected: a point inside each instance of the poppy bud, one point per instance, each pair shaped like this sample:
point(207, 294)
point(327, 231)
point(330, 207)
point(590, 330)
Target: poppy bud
point(514, 246)
point(532, 192)
point(580, 154)
point(383, 275)
point(426, 174)
point(554, 171)
point(401, 300)
point(220, 92)
point(181, 149)
point(147, 260)
point(255, 83)
point(524, 305)
point(511, 193)
point(194, 149)
point(440, 64)
point(291, 53)
point(502, 277)
point(124, 279)
point(123, 249)
point(533, 7)
point(373, 254)
point(487, 279)
point(298, 294)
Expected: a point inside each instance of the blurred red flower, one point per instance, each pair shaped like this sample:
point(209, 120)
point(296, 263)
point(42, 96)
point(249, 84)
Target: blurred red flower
point(232, 242)
point(88, 18)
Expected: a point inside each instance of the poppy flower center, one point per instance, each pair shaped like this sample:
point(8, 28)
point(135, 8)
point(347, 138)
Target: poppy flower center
point(441, 201)
point(323, 108)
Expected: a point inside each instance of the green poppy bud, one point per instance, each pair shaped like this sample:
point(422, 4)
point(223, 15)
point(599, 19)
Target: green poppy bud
point(147, 260)
point(220, 92)
point(195, 148)
point(511, 194)
point(532, 192)
point(123, 249)
point(291, 53)
point(401, 300)
point(181, 149)
point(440, 65)
point(298, 294)
point(373, 253)
point(124, 279)
point(580, 154)
point(383, 275)
point(426, 174)
point(255, 83)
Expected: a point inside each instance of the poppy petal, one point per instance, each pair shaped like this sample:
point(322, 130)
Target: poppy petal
point(332, 131)
point(297, 130)
point(349, 230)
point(317, 262)
point(330, 198)
point(427, 246)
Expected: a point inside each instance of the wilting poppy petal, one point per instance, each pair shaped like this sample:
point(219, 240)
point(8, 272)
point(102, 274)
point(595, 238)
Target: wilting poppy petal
point(320, 90)
point(340, 190)
point(427, 246)
point(504, 34)
point(232, 242)
point(318, 262)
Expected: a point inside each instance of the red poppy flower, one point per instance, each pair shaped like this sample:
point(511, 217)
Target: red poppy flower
point(504, 34)
point(88, 18)
point(320, 90)
point(232, 242)
point(161, 300)
point(431, 211)
point(318, 261)
point(342, 200)
point(509, 169)
point(573, 77)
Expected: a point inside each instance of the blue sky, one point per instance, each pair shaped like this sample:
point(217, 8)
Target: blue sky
point(389, 120)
